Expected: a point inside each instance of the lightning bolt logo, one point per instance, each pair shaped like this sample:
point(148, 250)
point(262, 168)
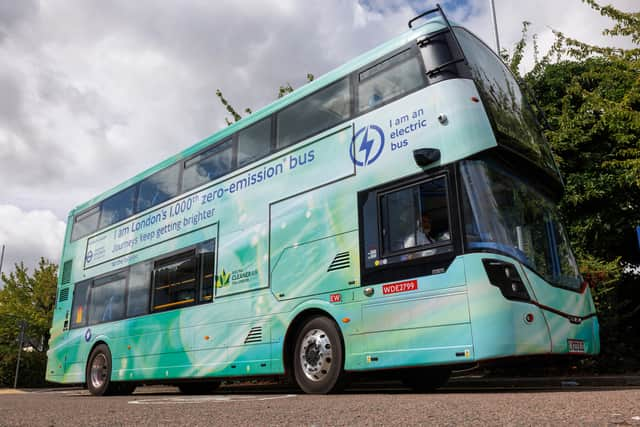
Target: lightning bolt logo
point(371, 145)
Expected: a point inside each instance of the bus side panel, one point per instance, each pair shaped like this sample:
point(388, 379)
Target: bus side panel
point(499, 325)
point(424, 326)
point(314, 242)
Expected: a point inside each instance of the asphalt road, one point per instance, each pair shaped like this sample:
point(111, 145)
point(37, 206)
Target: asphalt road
point(512, 404)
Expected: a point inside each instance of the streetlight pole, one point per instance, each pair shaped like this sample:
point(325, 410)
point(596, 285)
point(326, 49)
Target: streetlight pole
point(1, 260)
point(495, 25)
point(23, 326)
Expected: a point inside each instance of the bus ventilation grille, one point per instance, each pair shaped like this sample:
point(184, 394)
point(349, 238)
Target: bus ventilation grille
point(340, 261)
point(64, 294)
point(66, 272)
point(255, 335)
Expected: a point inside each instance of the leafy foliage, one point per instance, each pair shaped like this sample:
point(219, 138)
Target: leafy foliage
point(29, 298)
point(283, 90)
point(591, 97)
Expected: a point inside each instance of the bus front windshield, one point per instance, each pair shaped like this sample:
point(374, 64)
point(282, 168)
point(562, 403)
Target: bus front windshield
point(505, 214)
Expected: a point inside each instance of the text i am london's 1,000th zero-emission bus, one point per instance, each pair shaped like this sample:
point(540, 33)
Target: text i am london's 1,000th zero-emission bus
point(398, 214)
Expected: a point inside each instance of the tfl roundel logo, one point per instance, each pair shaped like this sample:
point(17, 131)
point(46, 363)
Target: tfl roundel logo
point(366, 145)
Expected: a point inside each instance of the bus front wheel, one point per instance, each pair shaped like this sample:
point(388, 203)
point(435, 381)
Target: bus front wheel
point(319, 357)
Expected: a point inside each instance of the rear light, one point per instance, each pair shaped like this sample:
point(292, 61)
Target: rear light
point(505, 277)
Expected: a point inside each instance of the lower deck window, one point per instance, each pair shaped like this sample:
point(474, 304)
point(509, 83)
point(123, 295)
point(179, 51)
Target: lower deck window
point(175, 283)
point(107, 299)
point(155, 285)
point(184, 279)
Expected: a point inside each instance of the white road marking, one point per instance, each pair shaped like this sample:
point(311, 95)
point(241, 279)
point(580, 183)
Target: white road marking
point(205, 399)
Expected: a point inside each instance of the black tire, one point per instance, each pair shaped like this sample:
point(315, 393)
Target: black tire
point(98, 374)
point(318, 358)
point(203, 387)
point(426, 379)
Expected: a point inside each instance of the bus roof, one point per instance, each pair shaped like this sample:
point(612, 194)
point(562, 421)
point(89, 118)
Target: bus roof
point(322, 81)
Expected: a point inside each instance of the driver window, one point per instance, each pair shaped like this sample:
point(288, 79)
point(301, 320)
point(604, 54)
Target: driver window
point(415, 217)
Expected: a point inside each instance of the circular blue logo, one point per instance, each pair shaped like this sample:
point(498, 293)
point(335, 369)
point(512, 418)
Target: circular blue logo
point(87, 335)
point(88, 257)
point(366, 145)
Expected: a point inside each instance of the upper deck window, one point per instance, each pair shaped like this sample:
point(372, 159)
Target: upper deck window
point(159, 187)
point(85, 223)
point(118, 207)
point(319, 111)
point(389, 79)
point(254, 142)
point(208, 165)
point(514, 120)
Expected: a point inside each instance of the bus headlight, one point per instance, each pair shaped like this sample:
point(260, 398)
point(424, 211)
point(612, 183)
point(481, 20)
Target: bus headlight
point(505, 277)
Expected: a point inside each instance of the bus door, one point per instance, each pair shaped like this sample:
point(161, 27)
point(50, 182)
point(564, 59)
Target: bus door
point(414, 297)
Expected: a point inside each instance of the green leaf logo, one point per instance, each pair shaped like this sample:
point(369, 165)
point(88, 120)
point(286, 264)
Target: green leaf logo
point(222, 279)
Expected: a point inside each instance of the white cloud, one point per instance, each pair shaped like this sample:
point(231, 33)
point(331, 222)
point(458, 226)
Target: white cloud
point(92, 92)
point(28, 235)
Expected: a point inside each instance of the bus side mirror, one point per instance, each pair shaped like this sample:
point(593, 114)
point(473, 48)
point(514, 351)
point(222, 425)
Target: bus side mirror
point(425, 156)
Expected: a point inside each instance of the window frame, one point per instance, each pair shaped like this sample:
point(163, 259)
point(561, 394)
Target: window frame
point(386, 62)
point(215, 148)
point(135, 187)
point(149, 286)
point(271, 143)
point(379, 200)
point(72, 323)
point(404, 264)
point(82, 215)
point(184, 255)
point(349, 81)
point(107, 279)
point(139, 185)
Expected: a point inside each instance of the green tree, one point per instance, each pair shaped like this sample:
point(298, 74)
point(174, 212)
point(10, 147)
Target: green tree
point(591, 97)
point(30, 298)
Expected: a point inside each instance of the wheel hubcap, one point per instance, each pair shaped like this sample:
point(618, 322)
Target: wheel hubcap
point(99, 368)
point(316, 354)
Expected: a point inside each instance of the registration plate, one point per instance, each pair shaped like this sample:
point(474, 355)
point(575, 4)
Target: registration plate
point(576, 346)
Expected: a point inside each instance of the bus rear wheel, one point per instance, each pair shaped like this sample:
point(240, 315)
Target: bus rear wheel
point(98, 375)
point(318, 357)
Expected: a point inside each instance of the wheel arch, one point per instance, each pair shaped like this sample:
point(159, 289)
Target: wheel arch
point(292, 331)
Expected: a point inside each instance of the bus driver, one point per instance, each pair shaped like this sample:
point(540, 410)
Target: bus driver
point(422, 236)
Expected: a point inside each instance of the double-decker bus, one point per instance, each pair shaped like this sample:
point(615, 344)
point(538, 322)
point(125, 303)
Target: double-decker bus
point(397, 214)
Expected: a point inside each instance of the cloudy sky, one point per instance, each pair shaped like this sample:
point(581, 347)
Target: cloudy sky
point(93, 92)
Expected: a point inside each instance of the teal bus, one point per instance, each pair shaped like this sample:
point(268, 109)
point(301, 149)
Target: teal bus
point(397, 214)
